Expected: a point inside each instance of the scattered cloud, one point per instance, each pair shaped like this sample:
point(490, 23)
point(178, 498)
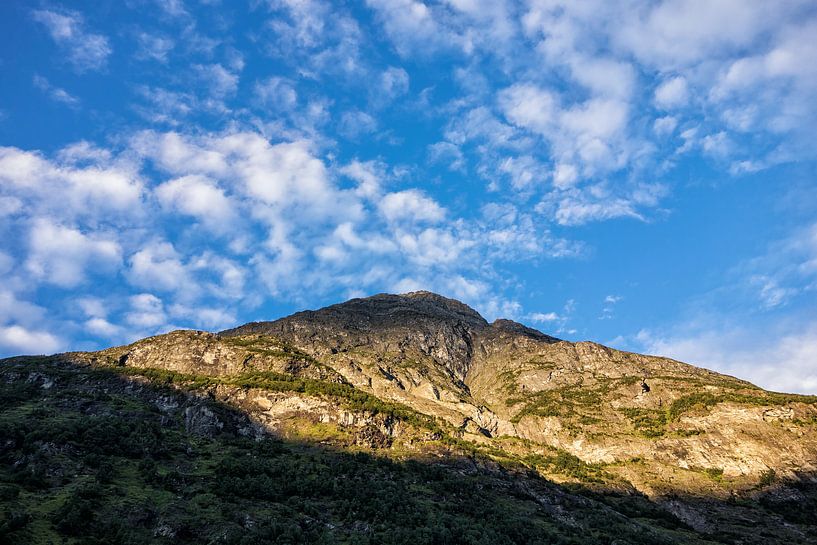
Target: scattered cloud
point(60, 255)
point(784, 362)
point(154, 47)
point(20, 340)
point(672, 93)
point(55, 93)
point(85, 50)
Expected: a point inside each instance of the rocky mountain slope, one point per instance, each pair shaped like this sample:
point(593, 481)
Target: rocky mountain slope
point(421, 377)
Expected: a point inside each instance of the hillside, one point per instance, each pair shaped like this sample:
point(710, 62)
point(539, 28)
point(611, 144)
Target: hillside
point(397, 419)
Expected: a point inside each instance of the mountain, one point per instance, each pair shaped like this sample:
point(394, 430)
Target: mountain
point(397, 419)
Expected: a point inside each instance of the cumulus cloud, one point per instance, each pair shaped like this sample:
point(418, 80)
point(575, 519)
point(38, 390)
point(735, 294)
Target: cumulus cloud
point(18, 339)
point(410, 205)
point(672, 93)
point(146, 311)
point(158, 266)
point(528, 106)
point(200, 197)
point(81, 183)
point(61, 255)
point(14, 309)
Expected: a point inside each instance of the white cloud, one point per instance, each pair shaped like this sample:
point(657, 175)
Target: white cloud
point(432, 246)
point(212, 319)
point(55, 93)
point(355, 123)
point(9, 206)
point(665, 125)
point(66, 189)
point(103, 328)
point(717, 145)
point(413, 27)
point(154, 47)
point(564, 175)
point(523, 171)
point(786, 363)
point(158, 266)
point(229, 278)
point(605, 77)
point(146, 311)
point(14, 309)
point(200, 197)
point(277, 93)
point(543, 317)
point(287, 210)
point(174, 8)
point(446, 152)
point(579, 206)
point(86, 51)
point(589, 134)
point(17, 339)
point(677, 33)
point(480, 124)
point(177, 154)
point(60, 255)
point(394, 82)
point(367, 175)
point(6, 261)
point(318, 38)
point(218, 79)
point(411, 205)
point(672, 93)
point(528, 106)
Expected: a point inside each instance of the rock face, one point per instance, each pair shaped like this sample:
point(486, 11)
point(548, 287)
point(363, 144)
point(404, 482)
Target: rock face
point(657, 424)
point(422, 323)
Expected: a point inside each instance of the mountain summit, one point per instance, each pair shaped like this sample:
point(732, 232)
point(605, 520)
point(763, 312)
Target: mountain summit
point(422, 376)
point(442, 329)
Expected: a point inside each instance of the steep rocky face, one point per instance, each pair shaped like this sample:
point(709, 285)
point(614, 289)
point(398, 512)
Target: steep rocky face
point(421, 322)
point(644, 422)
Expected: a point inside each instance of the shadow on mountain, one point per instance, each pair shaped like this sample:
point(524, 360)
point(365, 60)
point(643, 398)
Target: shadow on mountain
point(90, 456)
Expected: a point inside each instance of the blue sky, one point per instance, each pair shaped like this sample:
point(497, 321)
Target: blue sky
point(641, 174)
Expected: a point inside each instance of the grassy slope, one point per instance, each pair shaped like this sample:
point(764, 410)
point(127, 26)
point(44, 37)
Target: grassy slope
point(91, 459)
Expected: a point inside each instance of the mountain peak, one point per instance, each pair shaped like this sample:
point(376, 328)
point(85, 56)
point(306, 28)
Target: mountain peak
point(417, 309)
